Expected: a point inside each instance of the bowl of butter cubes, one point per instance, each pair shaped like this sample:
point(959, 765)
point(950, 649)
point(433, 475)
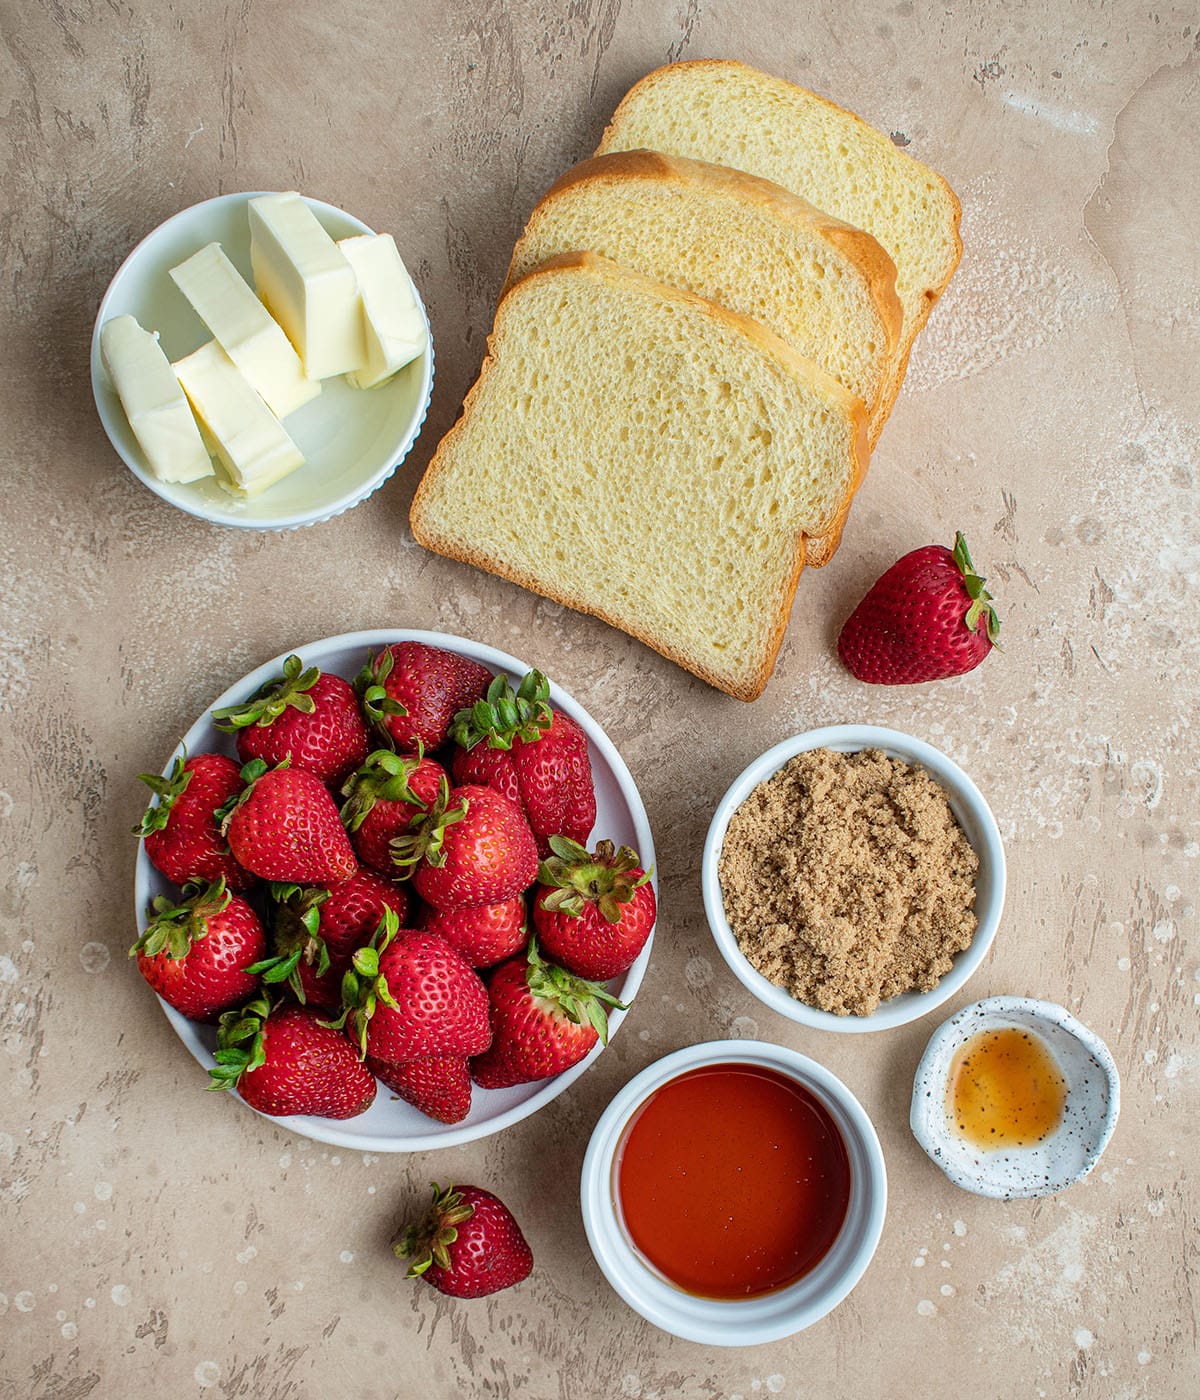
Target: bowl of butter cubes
point(263, 360)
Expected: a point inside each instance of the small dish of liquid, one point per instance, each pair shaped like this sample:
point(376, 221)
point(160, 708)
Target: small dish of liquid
point(732, 1181)
point(1005, 1089)
point(1015, 1097)
point(733, 1192)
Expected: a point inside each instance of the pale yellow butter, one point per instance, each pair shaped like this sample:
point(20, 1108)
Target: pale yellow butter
point(306, 283)
point(245, 330)
point(251, 444)
point(393, 325)
point(153, 402)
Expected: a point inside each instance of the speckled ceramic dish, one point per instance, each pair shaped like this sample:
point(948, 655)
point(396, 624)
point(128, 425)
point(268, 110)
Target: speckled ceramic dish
point(973, 815)
point(390, 1125)
point(1093, 1100)
point(352, 439)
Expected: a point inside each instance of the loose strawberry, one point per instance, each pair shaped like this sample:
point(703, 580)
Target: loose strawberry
point(440, 1087)
point(484, 934)
point(411, 692)
point(315, 931)
point(473, 846)
point(285, 826)
point(544, 1020)
point(928, 617)
point(593, 914)
point(307, 716)
point(468, 1244)
point(181, 829)
point(197, 954)
point(284, 1060)
point(410, 996)
point(536, 755)
point(383, 798)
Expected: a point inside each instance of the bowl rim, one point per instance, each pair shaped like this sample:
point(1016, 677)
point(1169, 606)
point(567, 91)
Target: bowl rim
point(769, 1317)
point(317, 514)
point(849, 738)
point(933, 1070)
point(327, 1130)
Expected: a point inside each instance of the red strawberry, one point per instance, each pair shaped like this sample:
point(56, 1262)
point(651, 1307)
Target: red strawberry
point(411, 692)
point(316, 931)
point(439, 1087)
point(594, 913)
point(197, 955)
point(468, 1245)
point(473, 846)
point(181, 830)
point(928, 617)
point(284, 1060)
point(485, 933)
point(285, 826)
point(534, 754)
point(307, 716)
point(382, 799)
point(414, 998)
point(544, 1020)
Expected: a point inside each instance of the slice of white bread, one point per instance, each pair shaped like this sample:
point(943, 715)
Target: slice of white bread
point(824, 287)
point(723, 111)
point(639, 453)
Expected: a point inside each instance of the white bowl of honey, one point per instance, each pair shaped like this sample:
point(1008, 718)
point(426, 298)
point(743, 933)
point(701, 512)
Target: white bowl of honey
point(1015, 1097)
point(733, 1192)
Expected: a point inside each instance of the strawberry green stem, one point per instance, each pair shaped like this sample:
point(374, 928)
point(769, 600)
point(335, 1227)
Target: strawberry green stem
point(981, 600)
point(166, 792)
point(175, 927)
point(504, 714)
point(428, 1241)
point(575, 878)
point(364, 986)
point(270, 700)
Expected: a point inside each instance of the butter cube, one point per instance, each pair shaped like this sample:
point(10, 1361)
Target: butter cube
point(306, 283)
point(251, 443)
point(244, 329)
point(392, 322)
point(153, 402)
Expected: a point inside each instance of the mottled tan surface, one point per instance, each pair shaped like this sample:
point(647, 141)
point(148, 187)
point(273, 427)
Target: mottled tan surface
point(159, 1241)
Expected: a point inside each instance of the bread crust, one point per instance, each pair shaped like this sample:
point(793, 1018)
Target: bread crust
point(859, 248)
point(872, 139)
point(751, 686)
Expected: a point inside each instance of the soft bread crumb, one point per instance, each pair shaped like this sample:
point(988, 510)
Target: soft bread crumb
point(847, 880)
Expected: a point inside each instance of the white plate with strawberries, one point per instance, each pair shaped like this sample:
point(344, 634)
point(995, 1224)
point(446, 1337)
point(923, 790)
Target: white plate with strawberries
point(440, 888)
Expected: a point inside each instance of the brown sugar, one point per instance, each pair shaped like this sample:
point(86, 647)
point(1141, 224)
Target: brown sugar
point(847, 880)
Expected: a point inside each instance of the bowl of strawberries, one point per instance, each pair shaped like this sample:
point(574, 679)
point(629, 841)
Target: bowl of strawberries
point(395, 889)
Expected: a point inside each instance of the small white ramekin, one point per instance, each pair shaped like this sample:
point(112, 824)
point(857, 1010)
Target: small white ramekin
point(352, 439)
point(973, 815)
point(742, 1322)
point(1067, 1154)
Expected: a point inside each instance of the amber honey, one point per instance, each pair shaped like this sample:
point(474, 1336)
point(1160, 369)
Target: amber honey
point(1005, 1089)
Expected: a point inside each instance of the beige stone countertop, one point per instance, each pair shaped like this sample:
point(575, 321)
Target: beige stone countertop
point(161, 1241)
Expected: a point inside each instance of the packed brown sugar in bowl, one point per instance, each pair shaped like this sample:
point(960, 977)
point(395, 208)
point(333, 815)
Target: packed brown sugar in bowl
point(847, 880)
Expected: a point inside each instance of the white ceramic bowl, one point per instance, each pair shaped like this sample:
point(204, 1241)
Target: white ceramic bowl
point(973, 815)
point(352, 439)
point(749, 1321)
point(390, 1125)
point(1089, 1117)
